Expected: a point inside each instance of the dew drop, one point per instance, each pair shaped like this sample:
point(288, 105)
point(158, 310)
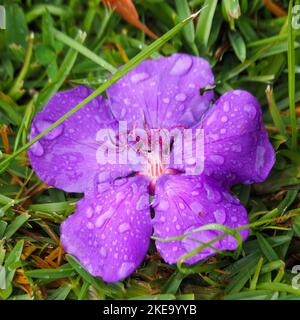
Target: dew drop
point(162, 219)
point(226, 106)
point(37, 149)
point(123, 112)
point(126, 101)
point(100, 220)
point(180, 97)
point(103, 252)
point(217, 159)
point(54, 133)
point(98, 209)
point(181, 205)
point(90, 225)
point(230, 198)
point(166, 100)
point(163, 205)
point(224, 119)
point(260, 158)
point(212, 194)
point(124, 227)
point(196, 207)
point(138, 77)
point(102, 187)
point(125, 269)
point(134, 188)
point(220, 216)
point(181, 66)
point(250, 109)
point(142, 203)
point(89, 212)
point(236, 148)
point(234, 219)
point(120, 196)
point(103, 176)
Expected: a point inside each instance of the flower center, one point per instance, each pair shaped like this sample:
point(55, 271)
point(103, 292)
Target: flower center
point(154, 168)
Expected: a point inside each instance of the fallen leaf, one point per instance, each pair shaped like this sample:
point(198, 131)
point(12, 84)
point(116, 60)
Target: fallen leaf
point(274, 8)
point(127, 10)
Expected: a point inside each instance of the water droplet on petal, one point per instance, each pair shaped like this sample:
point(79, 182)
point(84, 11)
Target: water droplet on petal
point(123, 112)
point(236, 148)
point(37, 149)
point(166, 100)
point(260, 158)
point(54, 133)
point(180, 97)
point(196, 207)
point(89, 212)
point(181, 65)
point(143, 202)
point(134, 188)
point(103, 176)
point(102, 187)
point(226, 106)
point(181, 205)
point(230, 198)
point(90, 225)
point(103, 252)
point(120, 196)
point(124, 227)
point(212, 194)
point(217, 159)
point(233, 218)
point(250, 109)
point(106, 215)
point(125, 269)
point(224, 119)
point(162, 219)
point(163, 205)
point(220, 216)
point(138, 77)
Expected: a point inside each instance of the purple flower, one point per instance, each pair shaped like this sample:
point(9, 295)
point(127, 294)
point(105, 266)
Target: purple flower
point(111, 228)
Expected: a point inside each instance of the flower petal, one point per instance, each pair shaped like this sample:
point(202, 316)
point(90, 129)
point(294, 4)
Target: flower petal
point(184, 203)
point(237, 148)
point(110, 231)
point(66, 157)
point(163, 93)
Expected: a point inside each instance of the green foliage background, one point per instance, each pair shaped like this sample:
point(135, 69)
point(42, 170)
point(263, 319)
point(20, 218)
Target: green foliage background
point(53, 45)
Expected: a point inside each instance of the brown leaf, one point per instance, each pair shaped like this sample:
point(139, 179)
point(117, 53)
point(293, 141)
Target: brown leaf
point(127, 10)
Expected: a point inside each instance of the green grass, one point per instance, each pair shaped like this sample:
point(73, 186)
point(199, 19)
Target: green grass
point(47, 48)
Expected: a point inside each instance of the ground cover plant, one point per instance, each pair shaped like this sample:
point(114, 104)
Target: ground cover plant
point(53, 46)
